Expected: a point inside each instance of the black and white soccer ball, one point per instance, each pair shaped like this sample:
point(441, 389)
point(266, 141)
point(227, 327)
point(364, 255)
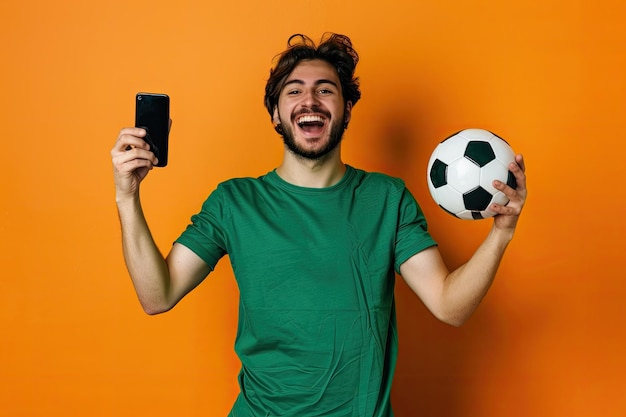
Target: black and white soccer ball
point(462, 169)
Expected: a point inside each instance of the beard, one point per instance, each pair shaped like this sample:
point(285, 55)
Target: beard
point(336, 135)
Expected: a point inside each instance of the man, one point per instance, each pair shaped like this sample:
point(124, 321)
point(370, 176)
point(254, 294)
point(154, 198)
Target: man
point(314, 245)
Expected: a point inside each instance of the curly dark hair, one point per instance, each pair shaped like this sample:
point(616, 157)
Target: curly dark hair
point(333, 48)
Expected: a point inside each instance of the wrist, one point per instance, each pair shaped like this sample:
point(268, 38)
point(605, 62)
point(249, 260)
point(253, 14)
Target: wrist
point(126, 199)
point(502, 236)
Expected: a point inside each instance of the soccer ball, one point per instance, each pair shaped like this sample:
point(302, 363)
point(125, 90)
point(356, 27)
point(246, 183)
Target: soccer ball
point(462, 169)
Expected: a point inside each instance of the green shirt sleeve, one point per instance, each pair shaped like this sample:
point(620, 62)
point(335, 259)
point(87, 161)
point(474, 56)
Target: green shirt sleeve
point(412, 233)
point(205, 235)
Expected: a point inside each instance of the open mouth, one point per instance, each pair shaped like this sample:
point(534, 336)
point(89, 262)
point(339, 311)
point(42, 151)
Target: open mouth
point(310, 123)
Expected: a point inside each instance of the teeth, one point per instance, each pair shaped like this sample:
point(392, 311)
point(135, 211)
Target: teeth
point(310, 119)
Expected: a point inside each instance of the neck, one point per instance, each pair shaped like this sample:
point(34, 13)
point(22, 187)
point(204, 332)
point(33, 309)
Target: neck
point(321, 173)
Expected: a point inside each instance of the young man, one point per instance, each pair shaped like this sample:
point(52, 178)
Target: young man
point(314, 245)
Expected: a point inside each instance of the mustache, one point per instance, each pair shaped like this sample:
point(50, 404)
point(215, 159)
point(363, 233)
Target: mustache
point(312, 110)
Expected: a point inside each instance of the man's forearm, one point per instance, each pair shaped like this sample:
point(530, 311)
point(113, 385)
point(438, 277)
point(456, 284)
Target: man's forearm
point(145, 263)
point(465, 287)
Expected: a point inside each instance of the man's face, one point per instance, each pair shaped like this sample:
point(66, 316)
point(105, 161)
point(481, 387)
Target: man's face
point(311, 110)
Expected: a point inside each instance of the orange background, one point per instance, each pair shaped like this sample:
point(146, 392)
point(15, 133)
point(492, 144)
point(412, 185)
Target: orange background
point(548, 76)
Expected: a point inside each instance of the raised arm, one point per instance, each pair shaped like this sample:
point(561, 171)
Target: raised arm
point(160, 283)
point(453, 296)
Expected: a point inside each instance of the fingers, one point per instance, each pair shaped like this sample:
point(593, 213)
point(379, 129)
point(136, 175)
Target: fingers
point(131, 145)
point(519, 159)
point(132, 160)
point(518, 168)
point(128, 160)
point(516, 196)
point(131, 137)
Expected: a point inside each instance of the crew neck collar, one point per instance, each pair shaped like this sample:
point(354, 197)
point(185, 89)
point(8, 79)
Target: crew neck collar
point(278, 181)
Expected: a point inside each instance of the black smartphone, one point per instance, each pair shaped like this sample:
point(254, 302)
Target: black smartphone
point(152, 112)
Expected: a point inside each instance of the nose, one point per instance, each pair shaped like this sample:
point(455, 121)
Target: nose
point(310, 99)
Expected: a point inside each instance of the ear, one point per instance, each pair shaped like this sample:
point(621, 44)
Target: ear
point(278, 127)
point(275, 116)
point(348, 112)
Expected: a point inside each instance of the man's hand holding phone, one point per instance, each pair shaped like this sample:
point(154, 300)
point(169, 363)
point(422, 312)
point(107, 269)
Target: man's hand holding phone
point(132, 160)
point(139, 149)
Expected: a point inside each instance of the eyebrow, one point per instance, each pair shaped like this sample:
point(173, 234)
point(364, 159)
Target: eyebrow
point(318, 82)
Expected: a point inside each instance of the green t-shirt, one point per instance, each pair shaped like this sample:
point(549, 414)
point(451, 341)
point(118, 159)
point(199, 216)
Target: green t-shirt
point(316, 272)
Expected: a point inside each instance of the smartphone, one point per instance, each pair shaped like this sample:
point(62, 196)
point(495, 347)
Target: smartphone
point(152, 112)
